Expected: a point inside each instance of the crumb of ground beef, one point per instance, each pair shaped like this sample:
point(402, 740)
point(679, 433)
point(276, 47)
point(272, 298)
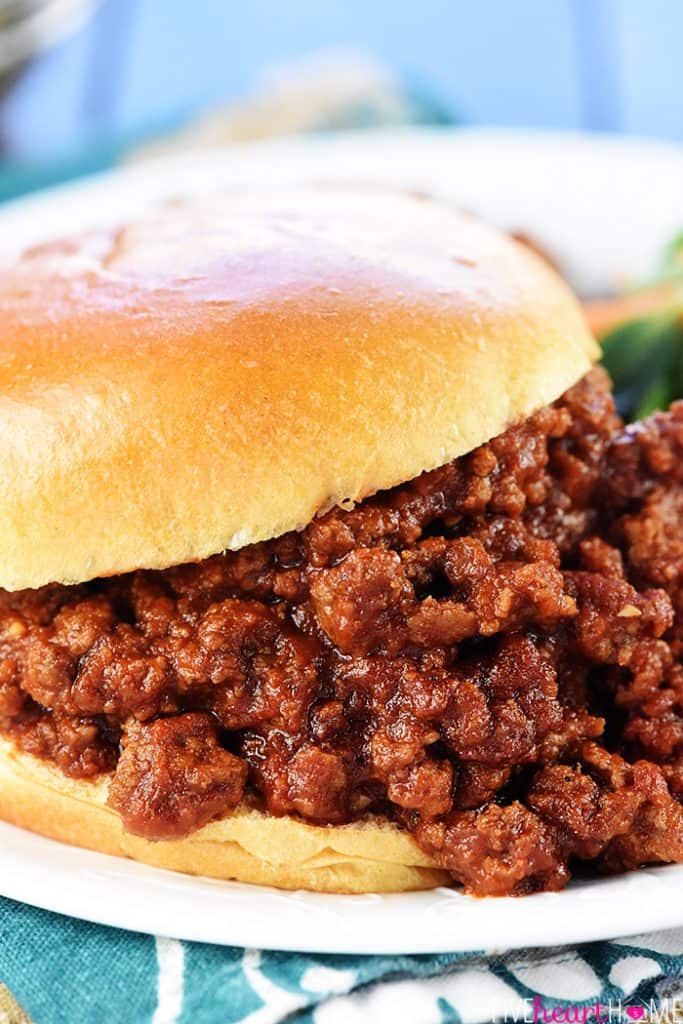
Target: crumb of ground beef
point(489, 654)
point(174, 769)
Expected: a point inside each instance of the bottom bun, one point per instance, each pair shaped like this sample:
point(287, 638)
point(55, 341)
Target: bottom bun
point(371, 855)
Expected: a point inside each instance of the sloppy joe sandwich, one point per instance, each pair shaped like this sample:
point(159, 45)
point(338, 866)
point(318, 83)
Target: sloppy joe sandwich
point(326, 559)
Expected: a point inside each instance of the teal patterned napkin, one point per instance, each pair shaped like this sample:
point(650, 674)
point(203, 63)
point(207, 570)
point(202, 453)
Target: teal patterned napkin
point(57, 970)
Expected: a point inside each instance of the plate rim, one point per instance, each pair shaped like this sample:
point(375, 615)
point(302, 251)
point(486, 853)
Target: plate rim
point(125, 894)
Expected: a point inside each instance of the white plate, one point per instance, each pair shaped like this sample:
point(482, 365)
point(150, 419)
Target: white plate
point(113, 891)
point(605, 207)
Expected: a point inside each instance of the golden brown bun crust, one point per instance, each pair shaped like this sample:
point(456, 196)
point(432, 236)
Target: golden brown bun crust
point(248, 846)
point(218, 374)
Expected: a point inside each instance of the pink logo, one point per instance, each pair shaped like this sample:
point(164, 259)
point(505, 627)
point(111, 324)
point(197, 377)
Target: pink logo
point(596, 1014)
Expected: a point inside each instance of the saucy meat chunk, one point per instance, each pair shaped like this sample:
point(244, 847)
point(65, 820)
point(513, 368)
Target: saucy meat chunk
point(173, 777)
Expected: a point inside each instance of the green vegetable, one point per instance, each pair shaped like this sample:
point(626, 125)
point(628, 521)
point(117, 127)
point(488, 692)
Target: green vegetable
point(644, 357)
point(672, 261)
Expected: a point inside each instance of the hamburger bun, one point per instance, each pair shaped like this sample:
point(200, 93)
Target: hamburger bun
point(215, 376)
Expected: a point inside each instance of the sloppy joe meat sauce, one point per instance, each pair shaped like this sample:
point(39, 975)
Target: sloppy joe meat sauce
point(489, 655)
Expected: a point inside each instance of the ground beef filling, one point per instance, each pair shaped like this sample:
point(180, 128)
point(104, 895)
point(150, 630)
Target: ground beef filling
point(490, 655)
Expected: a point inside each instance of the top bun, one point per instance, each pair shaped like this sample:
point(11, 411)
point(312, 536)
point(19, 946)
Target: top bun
point(218, 373)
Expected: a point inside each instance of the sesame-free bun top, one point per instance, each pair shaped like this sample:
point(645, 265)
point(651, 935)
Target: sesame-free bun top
point(216, 374)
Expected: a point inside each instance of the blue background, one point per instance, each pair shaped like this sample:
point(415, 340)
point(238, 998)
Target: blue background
point(572, 64)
